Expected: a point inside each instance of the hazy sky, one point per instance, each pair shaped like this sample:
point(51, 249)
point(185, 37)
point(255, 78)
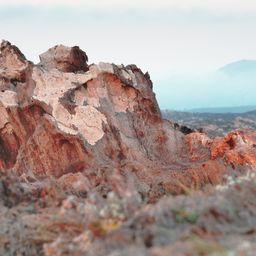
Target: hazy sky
point(164, 37)
point(245, 5)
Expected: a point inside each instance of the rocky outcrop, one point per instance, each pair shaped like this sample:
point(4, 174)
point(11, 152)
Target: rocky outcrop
point(86, 157)
point(65, 59)
point(62, 118)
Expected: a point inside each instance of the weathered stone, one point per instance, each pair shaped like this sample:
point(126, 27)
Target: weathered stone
point(59, 122)
point(66, 59)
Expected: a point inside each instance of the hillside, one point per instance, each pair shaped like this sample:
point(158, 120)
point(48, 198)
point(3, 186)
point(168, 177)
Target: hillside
point(242, 67)
point(223, 110)
point(212, 123)
point(231, 85)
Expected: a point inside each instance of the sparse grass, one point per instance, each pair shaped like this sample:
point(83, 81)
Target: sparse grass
point(186, 189)
point(206, 247)
point(183, 215)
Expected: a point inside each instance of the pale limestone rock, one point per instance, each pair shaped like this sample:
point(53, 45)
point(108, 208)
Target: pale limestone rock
point(87, 121)
point(66, 59)
point(8, 99)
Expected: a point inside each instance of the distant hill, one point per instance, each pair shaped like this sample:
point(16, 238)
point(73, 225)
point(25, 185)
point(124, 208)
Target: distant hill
point(251, 112)
point(215, 124)
point(231, 85)
point(238, 109)
point(241, 67)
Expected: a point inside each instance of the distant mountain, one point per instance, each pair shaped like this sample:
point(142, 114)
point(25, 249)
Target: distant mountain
point(238, 109)
point(231, 85)
point(241, 67)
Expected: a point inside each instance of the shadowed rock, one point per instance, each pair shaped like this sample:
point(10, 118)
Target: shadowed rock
point(66, 59)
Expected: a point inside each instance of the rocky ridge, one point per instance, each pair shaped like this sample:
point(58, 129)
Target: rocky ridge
point(69, 128)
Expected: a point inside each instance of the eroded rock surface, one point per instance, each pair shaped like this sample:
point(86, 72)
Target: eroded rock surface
point(66, 59)
point(55, 121)
point(67, 127)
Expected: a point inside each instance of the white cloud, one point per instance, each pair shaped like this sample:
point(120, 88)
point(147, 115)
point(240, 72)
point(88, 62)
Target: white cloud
point(221, 5)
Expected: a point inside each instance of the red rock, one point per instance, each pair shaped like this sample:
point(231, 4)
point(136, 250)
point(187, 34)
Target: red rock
point(85, 158)
point(63, 117)
point(237, 148)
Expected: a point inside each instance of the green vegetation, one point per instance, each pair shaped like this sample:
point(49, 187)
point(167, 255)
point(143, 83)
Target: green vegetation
point(183, 215)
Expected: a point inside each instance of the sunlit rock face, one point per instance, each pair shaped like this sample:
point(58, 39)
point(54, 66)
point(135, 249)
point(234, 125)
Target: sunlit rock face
point(89, 167)
point(73, 122)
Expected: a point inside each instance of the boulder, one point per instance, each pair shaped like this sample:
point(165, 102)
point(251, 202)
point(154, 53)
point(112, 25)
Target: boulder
point(65, 59)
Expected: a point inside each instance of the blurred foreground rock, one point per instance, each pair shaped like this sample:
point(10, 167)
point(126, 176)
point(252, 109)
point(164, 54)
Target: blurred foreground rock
point(84, 150)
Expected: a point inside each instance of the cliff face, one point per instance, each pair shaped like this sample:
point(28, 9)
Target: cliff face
point(66, 119)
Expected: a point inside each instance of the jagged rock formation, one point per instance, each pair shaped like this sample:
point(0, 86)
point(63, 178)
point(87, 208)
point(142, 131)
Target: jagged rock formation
point(74, 122)
point(85, 158)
